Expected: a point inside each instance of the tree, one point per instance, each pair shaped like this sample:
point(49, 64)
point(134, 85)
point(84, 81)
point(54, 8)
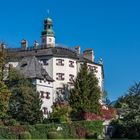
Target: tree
point(61, 112)
point(4, 92)
point(106, 100)
point(85, 95)
point(130, 105)
point(25, 103)
point(1, 65)
point(4, 100)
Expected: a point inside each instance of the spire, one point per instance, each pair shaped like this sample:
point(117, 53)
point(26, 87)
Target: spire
point(48, 35)
point(48, 26)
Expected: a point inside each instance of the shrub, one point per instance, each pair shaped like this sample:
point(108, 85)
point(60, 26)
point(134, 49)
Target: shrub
point(78, 129)
point(6, 133)
point(81, 132)
point(25, 135)
point(54, 135)
point(91, 135)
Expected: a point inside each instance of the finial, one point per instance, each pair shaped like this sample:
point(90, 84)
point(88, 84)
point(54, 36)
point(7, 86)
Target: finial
point(48, 12)
point(100, 61)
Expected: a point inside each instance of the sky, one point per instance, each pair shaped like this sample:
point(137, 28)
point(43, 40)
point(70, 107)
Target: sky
point(110, 27)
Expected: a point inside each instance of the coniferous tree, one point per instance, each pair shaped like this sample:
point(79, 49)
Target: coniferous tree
point(86, 93)
point(25, 103)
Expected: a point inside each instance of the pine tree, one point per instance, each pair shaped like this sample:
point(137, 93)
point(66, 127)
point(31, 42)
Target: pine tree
point(25, 103)
point(86, 93)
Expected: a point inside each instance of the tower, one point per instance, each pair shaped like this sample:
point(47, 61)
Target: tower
point(48, 36)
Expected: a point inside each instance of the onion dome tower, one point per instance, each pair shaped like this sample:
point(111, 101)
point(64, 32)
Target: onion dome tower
point(48, 36)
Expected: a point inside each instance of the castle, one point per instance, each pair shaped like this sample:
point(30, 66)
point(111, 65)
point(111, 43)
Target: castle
point(51, 67)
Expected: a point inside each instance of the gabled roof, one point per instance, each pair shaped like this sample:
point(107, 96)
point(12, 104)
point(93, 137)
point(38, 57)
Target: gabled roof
point(31, 68)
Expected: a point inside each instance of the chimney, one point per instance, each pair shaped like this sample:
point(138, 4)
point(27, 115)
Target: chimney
point(24, 44)
point(36, 44)
point(77, 49)
point(2, 47)
point(89, 54)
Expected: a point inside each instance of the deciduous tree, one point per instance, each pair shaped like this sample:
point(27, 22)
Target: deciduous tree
point(25, 103)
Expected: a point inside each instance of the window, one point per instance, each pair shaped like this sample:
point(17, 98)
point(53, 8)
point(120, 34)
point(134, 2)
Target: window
point(10, 65)
point(45, 61)
point(49, 26)
point(44, 80)
point(23, 64)
point(71, 77)
point(60, 62)
point(90, 68)
point(71, 63)
point(45, 110)
point(47, 95)
point(60, 76)
point(42, 94)
point(60, 90)
point(93, 69)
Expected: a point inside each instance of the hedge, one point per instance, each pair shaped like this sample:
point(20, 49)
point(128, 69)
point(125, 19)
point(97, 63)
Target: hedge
point(78, 129)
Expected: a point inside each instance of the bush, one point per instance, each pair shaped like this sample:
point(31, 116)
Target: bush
point(78, 129)
point(6, 133)
point(54, 135)
point(25, 135)
point(91, 135)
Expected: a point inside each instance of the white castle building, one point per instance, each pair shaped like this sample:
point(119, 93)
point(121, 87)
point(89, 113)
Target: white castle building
point(52, 67)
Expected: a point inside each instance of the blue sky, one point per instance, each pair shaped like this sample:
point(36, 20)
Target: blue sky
point(110, 27)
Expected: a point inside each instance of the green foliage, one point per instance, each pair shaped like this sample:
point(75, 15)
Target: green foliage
point(4, 99)
point(25, 103)
point(2, 62)
point(6, 133)
point(86, 93)
point(80, 129)
point(25, 135)
point(54, 135)
point(9, 121)
point(130, 106)
point(61, 112)
point(43, 131)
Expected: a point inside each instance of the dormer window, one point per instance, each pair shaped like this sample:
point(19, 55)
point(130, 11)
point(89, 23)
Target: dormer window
point(45, 62)
point(60, 62)
point(23, 64)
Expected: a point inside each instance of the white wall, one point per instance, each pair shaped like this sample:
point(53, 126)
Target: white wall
point(46, 87)
point(63, 69)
